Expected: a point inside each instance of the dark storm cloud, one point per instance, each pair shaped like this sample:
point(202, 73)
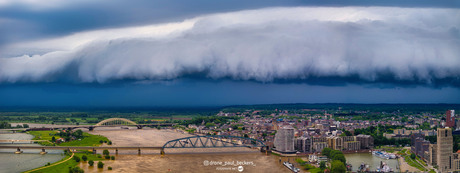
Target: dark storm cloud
point(62, 17)
point(316, 44)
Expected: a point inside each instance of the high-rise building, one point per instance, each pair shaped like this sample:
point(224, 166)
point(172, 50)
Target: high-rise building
point(284, 140)
point(450, 118)
point(444, 149)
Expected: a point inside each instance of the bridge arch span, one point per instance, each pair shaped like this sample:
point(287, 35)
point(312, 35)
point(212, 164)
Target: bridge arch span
point(213, 141)
point(116, 121)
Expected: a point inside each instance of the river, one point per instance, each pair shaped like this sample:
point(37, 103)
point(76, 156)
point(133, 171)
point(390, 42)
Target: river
point(29, 159)
point(229, 162)
point(373, 161)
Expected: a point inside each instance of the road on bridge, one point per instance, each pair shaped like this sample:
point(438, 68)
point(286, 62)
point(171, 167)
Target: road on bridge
point(79, 147)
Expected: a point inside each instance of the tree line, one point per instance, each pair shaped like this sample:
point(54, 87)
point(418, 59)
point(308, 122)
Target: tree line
point(337, 158)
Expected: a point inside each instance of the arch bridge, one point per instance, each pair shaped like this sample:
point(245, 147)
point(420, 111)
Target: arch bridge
point(115, 121)
point(111, 122)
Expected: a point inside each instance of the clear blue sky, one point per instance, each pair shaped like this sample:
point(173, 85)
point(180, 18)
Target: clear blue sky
point(212, 53)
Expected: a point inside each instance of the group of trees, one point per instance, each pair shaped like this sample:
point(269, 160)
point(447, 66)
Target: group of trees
point(67, 135)
point(90, 162)
point(208, 120)
point(384, 108)
point(76, 169)
point(108, 142)
point(106, 154)
point(337, 158)
point(426, 126)
point(6, 125)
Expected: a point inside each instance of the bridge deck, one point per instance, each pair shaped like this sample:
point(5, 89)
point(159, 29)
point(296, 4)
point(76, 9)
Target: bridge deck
point(79, 147)
point(18, 140)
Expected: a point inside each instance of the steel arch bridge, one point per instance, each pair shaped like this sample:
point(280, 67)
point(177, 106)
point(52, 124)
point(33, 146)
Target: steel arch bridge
point(115, 121)
point(216, 141)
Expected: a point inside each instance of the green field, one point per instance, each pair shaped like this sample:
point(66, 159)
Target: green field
point(43, 135)
point(413, 162)
point(308, 167)
point(88, 139)
point(64, 167)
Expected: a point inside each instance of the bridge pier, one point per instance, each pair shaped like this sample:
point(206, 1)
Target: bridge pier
point(162, 152)
point(91, 128)
point(94, 151)
point(18, 151)
point(116, 151)
point(139, 127)
point(43, 151)
point(139, 151)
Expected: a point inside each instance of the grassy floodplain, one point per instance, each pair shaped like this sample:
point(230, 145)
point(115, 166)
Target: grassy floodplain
point(64, 167)
point(88, 139)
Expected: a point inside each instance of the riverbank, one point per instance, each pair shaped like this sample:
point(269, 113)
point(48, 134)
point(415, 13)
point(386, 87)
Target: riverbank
point(40, 169)
point(409, 164)
point(69, 162)
point(404, 167)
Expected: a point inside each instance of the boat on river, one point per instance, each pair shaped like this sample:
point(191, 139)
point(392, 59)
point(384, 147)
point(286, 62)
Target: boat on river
point(384, 155)
point(363, 168)
point(291, 167)
point(384, 167)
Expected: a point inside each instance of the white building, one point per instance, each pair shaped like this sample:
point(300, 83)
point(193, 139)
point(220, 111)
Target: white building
point(284, 139)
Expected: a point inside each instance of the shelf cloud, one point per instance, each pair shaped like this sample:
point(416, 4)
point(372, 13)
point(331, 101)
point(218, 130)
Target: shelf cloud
point(354, 44)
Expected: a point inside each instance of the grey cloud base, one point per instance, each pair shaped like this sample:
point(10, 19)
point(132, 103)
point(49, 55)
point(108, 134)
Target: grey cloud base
point(375, 44)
